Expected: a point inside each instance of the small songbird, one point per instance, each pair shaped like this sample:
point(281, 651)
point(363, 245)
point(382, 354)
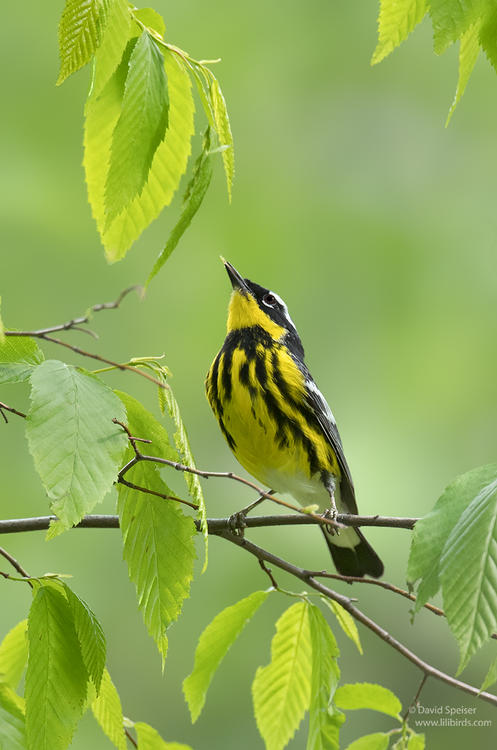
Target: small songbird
point(276, 420)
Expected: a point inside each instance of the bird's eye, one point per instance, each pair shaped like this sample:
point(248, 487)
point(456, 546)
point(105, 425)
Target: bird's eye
point(269, 299)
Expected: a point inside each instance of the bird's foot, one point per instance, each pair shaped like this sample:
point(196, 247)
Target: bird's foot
point(236, 522)
point(331, 514)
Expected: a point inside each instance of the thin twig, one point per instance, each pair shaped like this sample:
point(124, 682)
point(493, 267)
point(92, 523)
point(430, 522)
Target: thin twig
point(357, 614)
point(148, 491)
point(15, 564)
point(130, 737)
point(416, 697)
point(269, 572)
point(11, 409)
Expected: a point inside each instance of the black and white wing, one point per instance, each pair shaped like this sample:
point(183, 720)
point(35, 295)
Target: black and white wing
point(326, 421)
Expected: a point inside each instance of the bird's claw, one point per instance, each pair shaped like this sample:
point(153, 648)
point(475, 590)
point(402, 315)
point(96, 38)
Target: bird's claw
point(331, 514)
point(236, 523)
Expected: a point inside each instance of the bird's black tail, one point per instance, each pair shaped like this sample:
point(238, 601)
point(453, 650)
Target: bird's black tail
point(359, 560)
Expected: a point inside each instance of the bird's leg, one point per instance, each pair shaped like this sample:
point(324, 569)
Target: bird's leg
point(236, 521)
point(331, 512)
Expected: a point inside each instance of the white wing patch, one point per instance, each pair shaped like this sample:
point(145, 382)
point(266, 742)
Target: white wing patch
point(323, 404)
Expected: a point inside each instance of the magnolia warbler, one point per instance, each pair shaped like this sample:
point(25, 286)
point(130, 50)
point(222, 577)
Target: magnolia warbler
point(277, 422)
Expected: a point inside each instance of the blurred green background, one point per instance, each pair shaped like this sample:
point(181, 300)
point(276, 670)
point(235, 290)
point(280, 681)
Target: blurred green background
point(374, 223)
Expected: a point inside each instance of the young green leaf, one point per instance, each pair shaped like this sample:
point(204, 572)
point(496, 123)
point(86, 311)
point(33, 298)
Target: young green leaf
point(192, 481)
point(223, 129)
point(416, 742)
point(56, 675)
point(76, 448)
point(396, 21)
point(141, 126)
point(324, 719)
point(150, 18)
point(80, 32)
point(12, 723)
point(468, 572)
point(431, 532)
point(213, 645)
point(491, 675)
point(18, 358)
point(144, 425)
point(368, 695)
point(108, 712)
point(376, 741)
point(282, 690)
point(114, 41)
point(168, 165)
point(90, 635)
point(469, 49)
point(150, 739)
point(451, 19)
point(159, 551)
point(488, 35)
point(346, 622)
point(193, 200)
point(14, 654)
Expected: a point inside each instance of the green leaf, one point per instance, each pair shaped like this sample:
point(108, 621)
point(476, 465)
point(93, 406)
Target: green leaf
point(431, 532)
point(468, 573)
point(145, 425)
point(12, 724)
point(158, 539)
point(193, 200)
point(108, 712)
point(80, 32)
point(282, 690)
point(168, 165)
point(324, 719)
point(76, 448)
point(346, 622)
point(469, 49)
point(396, 21)
point(14, 654)
point(416, 742)
point(140, 128)
point(376, 741)
point(56, 676)
point(213, 645)
point(368, 695)
point(150, 739)
point(491, 675)
point(151, 19)
point(18, 358)
point(113, 44)
point(192, 481)
point(90, 635)
point(223, 129)
point(488, 35)
point(451, 19)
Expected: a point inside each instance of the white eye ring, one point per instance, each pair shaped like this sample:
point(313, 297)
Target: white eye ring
point(269, 299)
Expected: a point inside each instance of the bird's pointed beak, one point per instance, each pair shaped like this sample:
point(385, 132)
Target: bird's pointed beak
point(237, 282)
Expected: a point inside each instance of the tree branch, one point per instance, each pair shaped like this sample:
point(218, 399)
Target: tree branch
point(357, 614)
point(4, 408)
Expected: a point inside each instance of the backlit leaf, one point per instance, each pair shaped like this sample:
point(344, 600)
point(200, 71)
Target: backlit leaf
point(114, 41)
point(150, 739)
point(213, 645)
point(469, 49)
point(80, 32)
point(451, 19)
point(12, 723)
point(14, 654)
point(140, 128)
point(346, 622)
point(396, 21)
point(324, 719)
point(282, 690)
point(90, 635)
point(223, 129)
point(56, 677)
point(376, 741)
point(108, 712)
point(368, 695)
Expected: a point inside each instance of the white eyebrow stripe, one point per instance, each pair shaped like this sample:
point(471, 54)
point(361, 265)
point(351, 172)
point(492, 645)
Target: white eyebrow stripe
point(285, 308)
